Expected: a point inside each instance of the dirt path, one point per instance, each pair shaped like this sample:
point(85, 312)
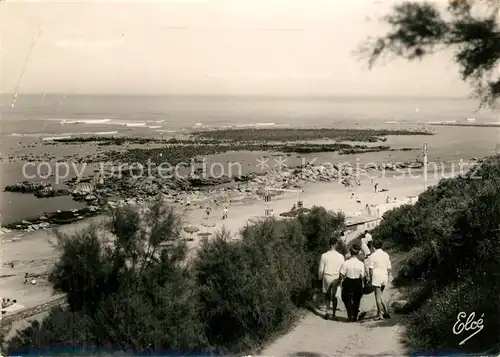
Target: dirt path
point(314, 336)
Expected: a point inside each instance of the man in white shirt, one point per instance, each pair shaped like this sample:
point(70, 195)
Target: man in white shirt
point(364, 244)
point(352, 274)
point(380, 273)
point(329, 273)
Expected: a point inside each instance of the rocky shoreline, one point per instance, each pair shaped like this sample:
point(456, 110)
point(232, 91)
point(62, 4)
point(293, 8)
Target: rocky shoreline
point(39, 189)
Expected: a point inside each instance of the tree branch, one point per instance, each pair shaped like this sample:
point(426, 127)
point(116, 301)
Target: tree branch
point(419, 29)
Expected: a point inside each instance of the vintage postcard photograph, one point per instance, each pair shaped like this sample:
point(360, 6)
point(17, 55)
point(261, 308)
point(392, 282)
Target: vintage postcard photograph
point(276, 178)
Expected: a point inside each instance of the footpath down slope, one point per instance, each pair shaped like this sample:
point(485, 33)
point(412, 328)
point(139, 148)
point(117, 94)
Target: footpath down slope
point(314, 336)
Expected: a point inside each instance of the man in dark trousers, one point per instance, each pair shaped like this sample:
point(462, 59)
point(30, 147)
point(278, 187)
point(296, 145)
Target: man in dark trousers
point(352, 274)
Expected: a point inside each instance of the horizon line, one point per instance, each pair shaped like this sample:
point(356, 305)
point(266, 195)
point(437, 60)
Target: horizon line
point(305, 95)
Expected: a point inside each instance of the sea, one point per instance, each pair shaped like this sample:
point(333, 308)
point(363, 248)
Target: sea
point(34, 119)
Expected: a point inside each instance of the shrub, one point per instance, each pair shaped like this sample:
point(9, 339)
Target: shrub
point(60, 330)
point(248, 288)
point(397, 227)
point(318, 227)
point(131, 291)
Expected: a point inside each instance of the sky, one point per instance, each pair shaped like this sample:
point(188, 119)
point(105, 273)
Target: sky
point(282, 47)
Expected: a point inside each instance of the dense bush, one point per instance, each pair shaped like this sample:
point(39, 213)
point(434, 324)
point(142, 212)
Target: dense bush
point(452, 235)
point(130, 290)
point(61, 329)
point(247, 288)
point(130, 287)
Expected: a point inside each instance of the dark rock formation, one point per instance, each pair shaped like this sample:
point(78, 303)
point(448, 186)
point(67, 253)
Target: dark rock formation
point(39, 189)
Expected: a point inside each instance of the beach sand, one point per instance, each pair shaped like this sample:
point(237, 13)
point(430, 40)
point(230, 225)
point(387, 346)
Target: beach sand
point(34, 253)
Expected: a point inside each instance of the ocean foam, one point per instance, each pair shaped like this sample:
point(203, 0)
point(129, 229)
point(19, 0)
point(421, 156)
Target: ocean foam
point(51, 138)
point(36, 135)
point(107, 121)
point(102, 133)
point(166, 131)
point(4, 231)
point(255, 125)
point(84, 121)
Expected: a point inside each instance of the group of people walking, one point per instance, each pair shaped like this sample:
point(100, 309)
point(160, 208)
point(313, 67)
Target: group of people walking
point(365, 269)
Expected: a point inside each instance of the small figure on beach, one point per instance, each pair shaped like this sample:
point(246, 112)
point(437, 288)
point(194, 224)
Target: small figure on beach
point(352, 195)
point(25, 278)
point(224, 213)
point(387, 199)
point(207, 211)
point(376, 187)
point(7, 303)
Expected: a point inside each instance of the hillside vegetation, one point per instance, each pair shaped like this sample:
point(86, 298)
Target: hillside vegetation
point(452, 235)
